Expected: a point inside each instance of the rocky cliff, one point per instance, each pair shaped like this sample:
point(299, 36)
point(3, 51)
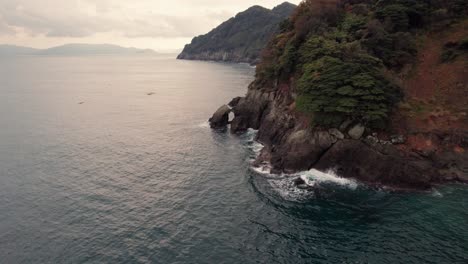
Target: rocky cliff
point(416, 141)
point(240, 39)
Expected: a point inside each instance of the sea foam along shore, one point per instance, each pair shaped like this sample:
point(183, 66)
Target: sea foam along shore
point(285, 184)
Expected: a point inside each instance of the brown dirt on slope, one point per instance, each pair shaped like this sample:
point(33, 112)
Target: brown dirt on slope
point(436, 93)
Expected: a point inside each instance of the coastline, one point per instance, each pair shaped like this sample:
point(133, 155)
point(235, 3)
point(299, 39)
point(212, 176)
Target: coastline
point(292, 146)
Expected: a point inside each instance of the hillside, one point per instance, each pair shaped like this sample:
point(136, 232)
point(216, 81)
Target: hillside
point(241, 38)
point(375, 90)
point(73, 50)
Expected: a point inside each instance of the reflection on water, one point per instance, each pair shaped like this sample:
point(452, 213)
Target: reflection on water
point(110, 159)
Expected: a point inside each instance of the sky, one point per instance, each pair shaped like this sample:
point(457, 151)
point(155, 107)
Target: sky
point(162, 25)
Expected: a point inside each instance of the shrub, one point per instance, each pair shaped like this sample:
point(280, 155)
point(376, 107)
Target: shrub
point(353, 89)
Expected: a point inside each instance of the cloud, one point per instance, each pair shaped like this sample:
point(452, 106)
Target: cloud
point(130, 19)
point(84, 18)
point(5, 29)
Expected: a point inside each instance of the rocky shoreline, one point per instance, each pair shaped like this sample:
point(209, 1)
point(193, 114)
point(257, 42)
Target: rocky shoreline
point(218, 56)
point(291, 145)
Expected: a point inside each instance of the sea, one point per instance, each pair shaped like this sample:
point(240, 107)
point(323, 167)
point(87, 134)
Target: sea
point(110, 159)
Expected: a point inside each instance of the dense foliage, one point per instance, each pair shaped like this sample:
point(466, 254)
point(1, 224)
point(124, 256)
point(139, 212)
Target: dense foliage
point(245, 34)
point(339, 51)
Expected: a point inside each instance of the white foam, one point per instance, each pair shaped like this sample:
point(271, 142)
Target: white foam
point(436, 193)
point(284, 184)
point(314, 177)
point(253, 145)
point(205, 124)
point(257, 148)
point(264, 169)
point(286, 187)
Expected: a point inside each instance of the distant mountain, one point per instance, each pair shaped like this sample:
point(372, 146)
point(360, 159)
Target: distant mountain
point(73, 50)
point(241, 38)
point(16, 50)
point(91, 49)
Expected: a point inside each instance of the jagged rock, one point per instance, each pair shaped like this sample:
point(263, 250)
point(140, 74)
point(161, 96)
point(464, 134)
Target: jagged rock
point(357, 131)
point(336, 133)
point(234, 102)
point(354, 159)
point(301, 150)
point(249, 111)
point(220, 118)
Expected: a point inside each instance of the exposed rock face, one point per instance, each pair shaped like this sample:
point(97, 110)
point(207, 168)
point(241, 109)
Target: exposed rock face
point(220, 118)
point(430, 141)
point(354, 159)
point(249, 111)
point(453, 167)
point(291, 146)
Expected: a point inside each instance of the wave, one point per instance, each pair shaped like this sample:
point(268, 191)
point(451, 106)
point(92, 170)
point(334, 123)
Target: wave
point(285, 184)
point(436, 193)
point(314, 177)
point(205, 124)
point(255, 146)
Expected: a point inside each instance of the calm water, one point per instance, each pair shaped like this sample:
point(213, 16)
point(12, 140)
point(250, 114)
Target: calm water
point(110, 160)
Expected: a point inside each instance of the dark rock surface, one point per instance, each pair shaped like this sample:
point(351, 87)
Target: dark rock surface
point(220, 118)
point(452, 166)
point(291, 146)
point(355, 159)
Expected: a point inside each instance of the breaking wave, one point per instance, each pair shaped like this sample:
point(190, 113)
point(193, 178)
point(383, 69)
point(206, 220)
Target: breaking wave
point(314, 177)
point(286, 184)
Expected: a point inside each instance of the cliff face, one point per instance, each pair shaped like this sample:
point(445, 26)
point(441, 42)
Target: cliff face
point(416, 141)
point(240, 39)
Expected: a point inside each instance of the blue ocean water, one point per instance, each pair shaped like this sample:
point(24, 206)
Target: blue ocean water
point(111, 160)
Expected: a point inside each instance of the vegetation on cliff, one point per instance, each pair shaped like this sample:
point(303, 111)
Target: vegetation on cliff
point(241, 38)
point(341, 56)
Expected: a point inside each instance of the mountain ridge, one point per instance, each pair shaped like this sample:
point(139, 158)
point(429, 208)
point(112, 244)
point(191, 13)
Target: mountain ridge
point(72, 49)
point(240, 38)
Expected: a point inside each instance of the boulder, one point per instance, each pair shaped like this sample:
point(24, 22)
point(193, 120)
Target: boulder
point(357, 131)
point(336, 133)
point(300, 150)
point(220, 118)
point(355, 159)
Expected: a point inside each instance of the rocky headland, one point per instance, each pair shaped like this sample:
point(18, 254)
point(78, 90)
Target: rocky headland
point(421, 138)
point(241, 38)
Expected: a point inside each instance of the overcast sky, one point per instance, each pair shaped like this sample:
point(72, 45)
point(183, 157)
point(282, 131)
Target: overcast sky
point(158, 24)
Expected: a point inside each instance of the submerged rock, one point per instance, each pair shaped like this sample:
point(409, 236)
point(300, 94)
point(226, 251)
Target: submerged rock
point(220, 118)
point(299, 181)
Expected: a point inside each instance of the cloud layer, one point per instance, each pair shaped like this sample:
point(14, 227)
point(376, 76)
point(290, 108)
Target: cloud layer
point(49, 22)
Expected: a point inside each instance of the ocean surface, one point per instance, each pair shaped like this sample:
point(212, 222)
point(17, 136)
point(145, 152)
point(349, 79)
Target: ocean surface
point(111, 160)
